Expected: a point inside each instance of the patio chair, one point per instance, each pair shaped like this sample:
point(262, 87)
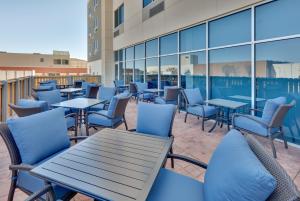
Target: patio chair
point(78, 83)
point(26, 107)
point(170, 96)
point(51, 97)
point(143, 96)
point(27, 140)
point(113, 117)
point(50, 83)
point(119, 84)
point(92, 91)
point(104, 94)
point(133, 90)
point(262, 176)
point(269, 125)
point(161, 125)
point(194, 104)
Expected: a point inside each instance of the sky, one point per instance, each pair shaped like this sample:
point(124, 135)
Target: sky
point(41, 26)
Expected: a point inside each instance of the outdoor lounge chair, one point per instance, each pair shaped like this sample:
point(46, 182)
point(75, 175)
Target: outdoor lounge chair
point(104, 94)
point(133, 90)
point(120, 86)
point(194, 104)
point(141, 95)
point(113, 117)
point(161, 125)
point(269, 125)
point(31, 140)
point(170, 96)
point(92, 91)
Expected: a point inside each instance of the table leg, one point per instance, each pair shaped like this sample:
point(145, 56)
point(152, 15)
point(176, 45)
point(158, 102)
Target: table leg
point(228, 119)
point(216, 122)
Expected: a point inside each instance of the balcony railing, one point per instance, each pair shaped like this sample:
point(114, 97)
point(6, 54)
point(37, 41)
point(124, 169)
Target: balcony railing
point(13, 90)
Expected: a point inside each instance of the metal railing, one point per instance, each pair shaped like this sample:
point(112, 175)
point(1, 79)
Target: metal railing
point(13, 90)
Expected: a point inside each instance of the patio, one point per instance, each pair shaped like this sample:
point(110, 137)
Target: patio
point(189, 141)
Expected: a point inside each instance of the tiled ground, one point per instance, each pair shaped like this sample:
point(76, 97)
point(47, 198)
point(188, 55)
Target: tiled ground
point(189, 141)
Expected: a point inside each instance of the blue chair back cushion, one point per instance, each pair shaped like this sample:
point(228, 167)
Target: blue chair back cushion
point(271, 107)
point(48, 84)
point(141, 86)
point(50, 96)
point(46, 87)
point(27, 103)
point(88, 87)
point(40, 135)
point(155, 119)
point(113, 104)
point(194, 96)
point(235, 173)
point(106, 93)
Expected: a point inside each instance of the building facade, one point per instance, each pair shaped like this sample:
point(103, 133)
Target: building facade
point(13, 65)
point(245, 50)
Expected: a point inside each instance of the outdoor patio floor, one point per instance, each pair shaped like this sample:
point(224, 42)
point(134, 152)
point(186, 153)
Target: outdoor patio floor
point(189, 141)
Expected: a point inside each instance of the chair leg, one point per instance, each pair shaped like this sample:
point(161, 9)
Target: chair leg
point(273, 147)
point(12, 190)
point(172, 159)
point(186, 114)
point(202, 124)
point(284, 140)
point(87, 126)
point(126, 126)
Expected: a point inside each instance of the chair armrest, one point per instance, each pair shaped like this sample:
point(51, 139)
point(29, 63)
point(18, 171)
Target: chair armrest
point(97, 113)
point(38, 194)
point(250, 118)
point(71, 115)
point(256, 110)
point(21, 167)
point(188, 159)
point(78, 138)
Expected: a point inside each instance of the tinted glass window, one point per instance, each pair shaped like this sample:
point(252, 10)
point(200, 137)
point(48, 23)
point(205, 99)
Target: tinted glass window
point(146, 2)
point(278, 18)
point(129, 53)
point(139, 51)
point(152, 48)
point(193, 38)
point(121, 71)
point(129, 72)
point(152, 72)
point(169, 71)
point(121, 55)
point(229, 30)
point(168, 44)
point(139, 70)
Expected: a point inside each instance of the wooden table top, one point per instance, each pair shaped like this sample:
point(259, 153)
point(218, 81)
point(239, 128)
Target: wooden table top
point(112, 164)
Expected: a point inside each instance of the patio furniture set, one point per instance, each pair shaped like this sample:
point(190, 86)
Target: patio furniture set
point(130, 165)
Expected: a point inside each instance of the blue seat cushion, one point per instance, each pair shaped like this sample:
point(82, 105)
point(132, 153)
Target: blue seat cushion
point(194, 96)
point(34, 184)
point(103, 121)
point(153, 114)
point(27, 103)
point(46, 87)
point(235, 173)
point(146, 96)
point(106, 93)
point(197, 110)
point(271, 107)
point(170, 186)
point(70, 122)
point(33, 133)
point(159, 100)
point(253, 126)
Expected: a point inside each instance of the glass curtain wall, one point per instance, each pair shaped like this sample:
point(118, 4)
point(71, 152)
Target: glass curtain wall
point(249, 56)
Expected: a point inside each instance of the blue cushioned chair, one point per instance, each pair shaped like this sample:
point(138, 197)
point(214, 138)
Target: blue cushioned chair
point(78, 83)
point(113, 117)
point(26, 107)
point(269, 125)
point(104, 94)
point(170, 96)
point(120, 86)
point(49, 83)
point(194, 104)
point(27, 139)
point(141, 95)
point(161, 125)
point(239, 169)
point(51, 97)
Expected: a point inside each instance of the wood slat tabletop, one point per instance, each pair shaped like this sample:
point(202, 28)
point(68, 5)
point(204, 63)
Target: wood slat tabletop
point(112, 165)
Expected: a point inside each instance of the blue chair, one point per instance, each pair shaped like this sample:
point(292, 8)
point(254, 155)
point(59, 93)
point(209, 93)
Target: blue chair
point(78, 83)
point(104, 94)
point(194, 104)
point(32, 140)
point(119, 84)
point(50, 84)
point(51, 97)
point(113, 117)
point(269, 125)
point(156, 120)
point(143, 96)
point(170, 96)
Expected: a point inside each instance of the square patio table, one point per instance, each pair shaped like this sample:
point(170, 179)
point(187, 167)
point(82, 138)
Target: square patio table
point(81, 104)
point(153, 91)
point(110, 165)
point(70, 91)
point(227, 104)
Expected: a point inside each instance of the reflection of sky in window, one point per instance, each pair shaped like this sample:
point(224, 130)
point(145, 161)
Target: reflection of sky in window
point(193, 38)
point(129, 64)
point(278, 18)
point(283, 51)
point(139, 64)
point(168, 44)
point(139, 51)
point(152, 66)
point(169, 64)
point(229, 30)
point(233, 54)
point(152, 48)
point(129, 53)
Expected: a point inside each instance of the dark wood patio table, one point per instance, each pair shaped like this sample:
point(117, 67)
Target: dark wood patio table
point(110, 165)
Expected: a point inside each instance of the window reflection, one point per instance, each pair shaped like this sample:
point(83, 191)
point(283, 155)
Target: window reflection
point(139, 70)
point(169, 71)
point(116, 71)
point(129, 72)
point(193, 71)
point(139, 51)
point(169, 44)
point(193, 38)
point(129, 53)
point(230, 72)
point(121, 71)
point(152, 72)
point(152, 48)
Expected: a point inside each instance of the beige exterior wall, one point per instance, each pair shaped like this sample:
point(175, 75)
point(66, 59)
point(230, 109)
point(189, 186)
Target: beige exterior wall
point(94, 30)
point(177, 15)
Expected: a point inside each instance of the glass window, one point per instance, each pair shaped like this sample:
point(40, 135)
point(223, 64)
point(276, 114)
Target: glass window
point(139, 51)
point(116, 71)
point(193, 71)
point(119, 16)
point(277, 18)
point(122, 55)
point(193, 38)
point(129, 53)
point(146, 2)
point(169, 71)
point(278, 74)
point(152, 72)
point(169, 44)
point(121, 71)
point(139, 70)
point(232, 29)
point(129, 72)
point(152, 48)
point(230, 72)
point(116, 55)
